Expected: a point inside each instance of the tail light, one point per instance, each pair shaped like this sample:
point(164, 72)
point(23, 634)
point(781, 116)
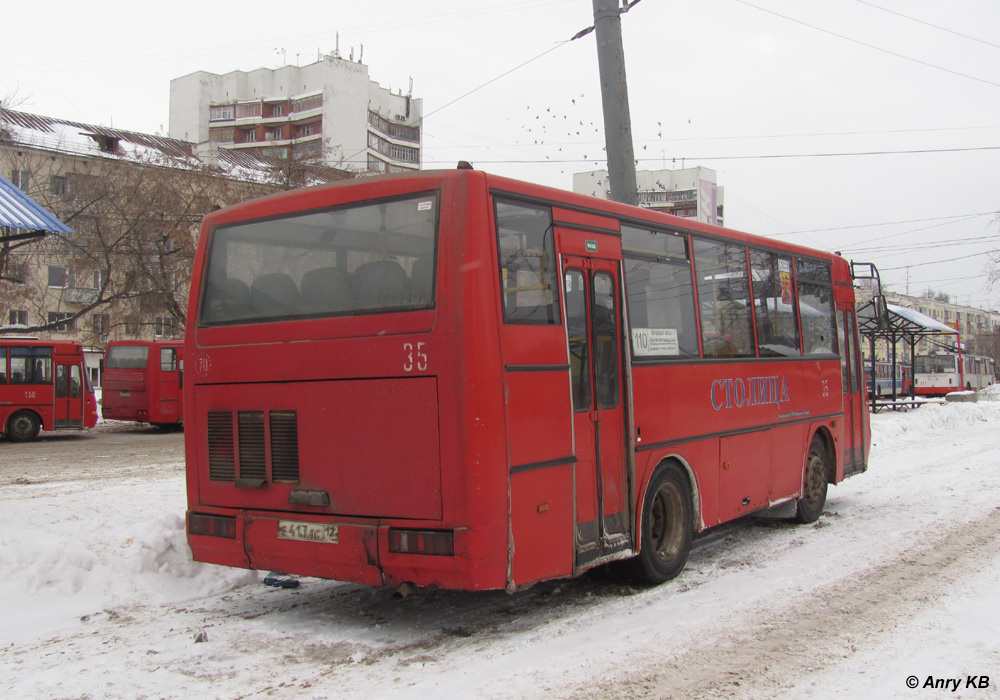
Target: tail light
point(212, 525)
point(438, 542)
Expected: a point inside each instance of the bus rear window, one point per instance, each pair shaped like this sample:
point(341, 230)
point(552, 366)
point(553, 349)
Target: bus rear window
point(370, 257)
point(126, 357)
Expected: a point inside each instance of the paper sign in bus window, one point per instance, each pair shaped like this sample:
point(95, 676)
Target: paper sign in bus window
point(655, 341)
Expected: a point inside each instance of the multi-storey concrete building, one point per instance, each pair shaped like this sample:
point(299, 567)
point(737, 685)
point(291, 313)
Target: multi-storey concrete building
point(690, 192)
point(329, 110)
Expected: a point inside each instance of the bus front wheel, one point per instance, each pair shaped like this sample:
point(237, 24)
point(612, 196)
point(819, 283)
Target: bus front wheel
point(23, 426)
point(809, 507)
point(665, 528)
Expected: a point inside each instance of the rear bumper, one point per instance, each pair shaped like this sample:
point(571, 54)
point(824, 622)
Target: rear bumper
point(360, 554)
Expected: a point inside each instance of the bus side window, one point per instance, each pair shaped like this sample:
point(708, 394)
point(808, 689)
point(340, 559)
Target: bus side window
point(819, 321)
point(528, 275)
point(579, 339)
point(61, 381)
point(168, 359)
point(723, 297)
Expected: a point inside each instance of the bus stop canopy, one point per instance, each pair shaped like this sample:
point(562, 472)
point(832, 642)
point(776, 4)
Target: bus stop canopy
point(898, 323)
point(878, 320)
point(22, 217)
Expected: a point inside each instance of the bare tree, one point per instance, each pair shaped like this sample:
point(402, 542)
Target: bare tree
point(128, 260)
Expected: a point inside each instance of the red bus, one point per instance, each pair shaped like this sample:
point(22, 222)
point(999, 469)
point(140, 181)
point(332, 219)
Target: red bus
point(459, 380)
point(142, 381)
point(43, 385)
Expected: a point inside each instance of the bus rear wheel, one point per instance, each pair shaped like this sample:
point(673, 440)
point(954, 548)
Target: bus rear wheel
point(665, 528)
point(809, 507)
point(23, 426)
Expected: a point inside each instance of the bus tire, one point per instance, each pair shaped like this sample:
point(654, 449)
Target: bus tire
point(665, 527)
point(809, 507)
point(23, 426)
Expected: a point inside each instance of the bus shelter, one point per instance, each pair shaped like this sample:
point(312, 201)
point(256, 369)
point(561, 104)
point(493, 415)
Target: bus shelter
point(878, 320)
point(22, 218)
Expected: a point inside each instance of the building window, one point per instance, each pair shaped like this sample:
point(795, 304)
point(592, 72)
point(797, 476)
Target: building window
point(393, 151)
point(306, 130)
point(57, 316)
point(250, 136)
point(18, 317)
point(307, 103)
point(396, 131)
point(102, 323)
point(164, 327)
point(57, 185)
point(274, 134)
point(248, 109)
point(17, 271)
point(226, 134)
point(60, 277)
point(220, 112)
point(277, 110)
point(20, 179)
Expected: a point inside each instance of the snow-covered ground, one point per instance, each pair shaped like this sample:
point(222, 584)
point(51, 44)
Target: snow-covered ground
point(898, 579)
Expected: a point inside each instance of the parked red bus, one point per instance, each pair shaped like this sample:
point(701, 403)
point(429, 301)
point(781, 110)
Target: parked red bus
point(142, 381)
point(459, 380)
point(43, 385)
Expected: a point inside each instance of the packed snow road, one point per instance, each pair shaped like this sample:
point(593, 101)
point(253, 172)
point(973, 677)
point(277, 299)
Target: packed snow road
point(896, 586)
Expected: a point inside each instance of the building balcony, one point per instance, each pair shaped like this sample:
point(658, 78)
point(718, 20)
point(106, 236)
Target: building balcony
point(79, 295)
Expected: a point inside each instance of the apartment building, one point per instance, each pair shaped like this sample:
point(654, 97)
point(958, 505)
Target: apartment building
point(691, 193)
point(329, 110)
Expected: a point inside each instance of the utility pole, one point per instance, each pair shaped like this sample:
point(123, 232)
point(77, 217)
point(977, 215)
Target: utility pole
point(614, 97)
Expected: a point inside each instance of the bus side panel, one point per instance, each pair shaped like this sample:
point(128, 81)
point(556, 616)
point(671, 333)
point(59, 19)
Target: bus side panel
point(786, 453)
point(543, 433)
point(542, 516)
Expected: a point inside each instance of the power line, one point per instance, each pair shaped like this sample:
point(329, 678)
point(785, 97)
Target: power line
point(929, 24)
point(867, 45)
point(932, 262)
point(766, 156)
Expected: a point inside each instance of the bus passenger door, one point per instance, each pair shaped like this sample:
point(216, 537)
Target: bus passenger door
point(593, 322)
point(168, 390)
point(69, 396)
point(854, 397)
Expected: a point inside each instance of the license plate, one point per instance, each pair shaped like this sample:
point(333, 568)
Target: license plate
point(307, 532)
point(126, 394)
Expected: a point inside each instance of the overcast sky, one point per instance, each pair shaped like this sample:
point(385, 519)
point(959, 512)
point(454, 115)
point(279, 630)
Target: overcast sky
point(866, 127)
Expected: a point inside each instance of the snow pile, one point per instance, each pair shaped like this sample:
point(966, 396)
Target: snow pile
point(88, 551)
point(894, 430)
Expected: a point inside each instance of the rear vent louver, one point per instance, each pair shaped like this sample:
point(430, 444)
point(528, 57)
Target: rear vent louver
point(221, 459)
point(253, 462)
point(248, 441)
point(285, 446)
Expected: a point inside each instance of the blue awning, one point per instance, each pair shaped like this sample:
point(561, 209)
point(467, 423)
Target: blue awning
point(19, 211)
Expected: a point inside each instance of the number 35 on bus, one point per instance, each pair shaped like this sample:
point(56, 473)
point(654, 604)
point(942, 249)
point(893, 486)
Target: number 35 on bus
point(459, 380)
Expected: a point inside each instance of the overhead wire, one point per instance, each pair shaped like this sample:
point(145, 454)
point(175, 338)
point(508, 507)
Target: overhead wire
point(868, 45)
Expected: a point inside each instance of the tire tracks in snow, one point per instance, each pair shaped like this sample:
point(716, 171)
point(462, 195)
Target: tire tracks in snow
point(779, 644)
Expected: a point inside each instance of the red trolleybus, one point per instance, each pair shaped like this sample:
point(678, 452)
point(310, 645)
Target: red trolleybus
point(142, 381)
point(459, 380)
point(43, 384)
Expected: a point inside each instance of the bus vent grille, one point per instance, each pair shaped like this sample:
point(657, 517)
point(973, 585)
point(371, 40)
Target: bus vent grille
point(221, 460)
point(253, 461)
point(285, 447)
